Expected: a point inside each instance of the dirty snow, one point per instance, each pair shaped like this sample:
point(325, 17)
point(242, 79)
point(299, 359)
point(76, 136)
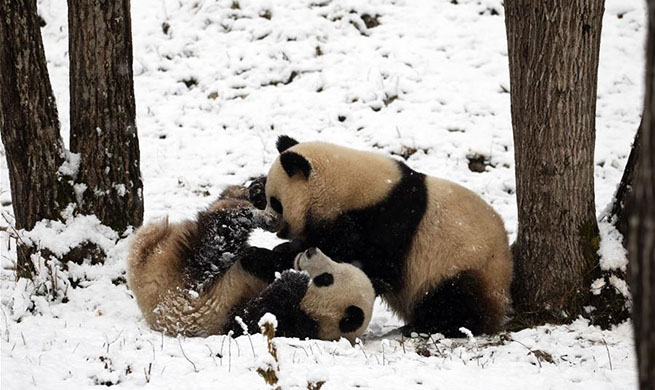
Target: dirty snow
point(216, 82)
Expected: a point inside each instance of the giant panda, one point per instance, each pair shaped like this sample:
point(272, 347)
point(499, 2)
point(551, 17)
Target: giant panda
point(199, 277)
point(326, 300)
point(435, 251)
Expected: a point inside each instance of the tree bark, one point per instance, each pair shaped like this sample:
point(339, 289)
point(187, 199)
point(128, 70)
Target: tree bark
point(102, 111)
point(624, 199)
point(29, 124)
point(641, 241)
point(553, 56)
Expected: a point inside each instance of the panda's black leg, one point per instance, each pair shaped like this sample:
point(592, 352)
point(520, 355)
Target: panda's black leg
point(282, 299)
point(291, 248)
point(455, 303)
point(265, 263)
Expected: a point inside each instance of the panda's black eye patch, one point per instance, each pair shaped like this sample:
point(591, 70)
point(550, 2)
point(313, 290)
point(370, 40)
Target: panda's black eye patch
point(323, 280)
point(352, 319)
point(276, 205)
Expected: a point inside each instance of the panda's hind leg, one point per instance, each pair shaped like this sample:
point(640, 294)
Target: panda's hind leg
point(460, 301)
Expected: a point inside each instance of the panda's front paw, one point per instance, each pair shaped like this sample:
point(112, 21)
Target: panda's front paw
point(262, 219)
point(257, 192)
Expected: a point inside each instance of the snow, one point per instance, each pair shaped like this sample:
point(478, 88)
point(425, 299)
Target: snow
point(613, 255)
point(71, 164)
point(216, 82)
point(266, 318)
point(60, 237)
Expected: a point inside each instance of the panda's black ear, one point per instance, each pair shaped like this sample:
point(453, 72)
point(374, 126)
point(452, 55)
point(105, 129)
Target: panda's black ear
point(352, 319)
point(284, 142)
point(293, 163)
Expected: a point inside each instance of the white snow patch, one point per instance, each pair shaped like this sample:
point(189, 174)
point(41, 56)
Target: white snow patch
point(613, 255)
point(61, 237)
point(79, 189)
point(71, 164)
point(620, 285)
point(120, 189)
point(242, 324)
point(597, 286)
point(268, 318)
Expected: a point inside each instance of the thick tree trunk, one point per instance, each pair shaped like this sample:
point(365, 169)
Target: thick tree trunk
point(553, 55)
point(102, 111)
point(641, 242)
point(29, 124)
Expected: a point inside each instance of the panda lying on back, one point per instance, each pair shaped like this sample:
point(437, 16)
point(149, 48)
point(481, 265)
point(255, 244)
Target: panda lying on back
point(196, 277)
point(435, 251)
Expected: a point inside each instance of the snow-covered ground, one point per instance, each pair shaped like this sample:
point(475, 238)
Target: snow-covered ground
point(217, 82)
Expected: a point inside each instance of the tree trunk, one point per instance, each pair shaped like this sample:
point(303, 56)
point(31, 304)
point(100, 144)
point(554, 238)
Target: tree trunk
point(641, 247)
point(624, 199)
point(102, 111)
point(29, 124)
point(553, 55)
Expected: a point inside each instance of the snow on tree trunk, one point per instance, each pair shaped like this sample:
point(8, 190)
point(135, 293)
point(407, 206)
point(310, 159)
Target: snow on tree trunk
point(29, 124)
point(102, 111)
point(641, 240)
point(553, 55)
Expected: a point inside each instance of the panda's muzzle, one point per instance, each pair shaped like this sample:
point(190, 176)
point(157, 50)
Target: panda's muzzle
point(283, 230)
point(311, 252)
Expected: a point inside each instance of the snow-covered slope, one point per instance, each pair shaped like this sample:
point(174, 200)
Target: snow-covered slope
point(218, 81)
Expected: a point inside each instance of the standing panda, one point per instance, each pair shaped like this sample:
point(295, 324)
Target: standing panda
point(435, 251)
point(199, 277)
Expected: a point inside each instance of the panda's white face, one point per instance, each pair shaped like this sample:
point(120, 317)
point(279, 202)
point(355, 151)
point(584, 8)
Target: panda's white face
point(340, 296)
point(323, 181)
point(288, 198)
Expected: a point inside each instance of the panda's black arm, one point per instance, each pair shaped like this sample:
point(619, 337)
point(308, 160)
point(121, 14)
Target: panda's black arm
point(281, 298)
point(291, 248)
point(265, 263)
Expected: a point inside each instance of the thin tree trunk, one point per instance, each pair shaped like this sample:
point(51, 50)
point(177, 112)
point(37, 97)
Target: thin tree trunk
point(102, 110)
point(29, 124)
point(623, 199)
point(553, 55)
point(641, 247)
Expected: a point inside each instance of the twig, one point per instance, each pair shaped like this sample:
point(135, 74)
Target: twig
point(13, 228)
point(148, 373)
point(229, 351)
point(244, 327)
point(113, 341)
point(608, 353)
point(153, 349)
point(435, 345)
point(211, 353)
point(186, 357)
point(304, 350)
point(360, 347)
point(222, 343)
point(530, 351)
point(6, 323)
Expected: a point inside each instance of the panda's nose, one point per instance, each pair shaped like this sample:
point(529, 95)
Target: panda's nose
point(311, 252)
